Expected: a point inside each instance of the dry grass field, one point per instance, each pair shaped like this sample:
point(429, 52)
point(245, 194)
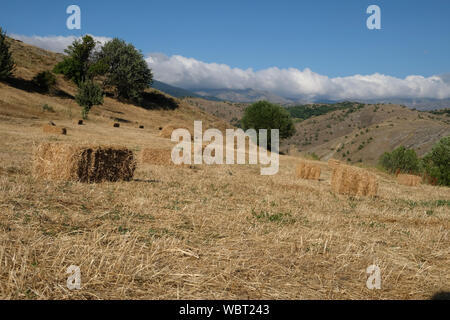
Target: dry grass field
point(202, 232)
point(210, 232)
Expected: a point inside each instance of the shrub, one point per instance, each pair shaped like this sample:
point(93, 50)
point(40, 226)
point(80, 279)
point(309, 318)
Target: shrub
point(400, 160)
point(6, 61)
point(89, 94)
point(436, 163)
point(265, 115)
point(47, 108)
point(45, 81)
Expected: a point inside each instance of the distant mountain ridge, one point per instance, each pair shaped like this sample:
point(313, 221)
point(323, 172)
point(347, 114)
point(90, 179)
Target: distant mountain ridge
point(250, 95)
point(178, 92)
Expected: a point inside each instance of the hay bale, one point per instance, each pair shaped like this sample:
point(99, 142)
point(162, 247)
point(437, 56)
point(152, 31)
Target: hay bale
point(116, 125)
point(409, 180)
point(166, 132)
point(332, 163)
point(353, 181)
point(52, 129)
point(88, 164)
point(306, 170)
point(163, 157)
point(159, 157)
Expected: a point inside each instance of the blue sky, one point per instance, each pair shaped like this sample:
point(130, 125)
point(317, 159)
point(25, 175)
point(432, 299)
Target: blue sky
point(326, 36)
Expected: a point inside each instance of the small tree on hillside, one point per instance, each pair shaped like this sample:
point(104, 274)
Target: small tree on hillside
point(401, 160)
point(76, 66)
point(89, 95)
point(6, 61)
point(437, 163)
point(125, 69)
point(45, 81)
point(265, 115)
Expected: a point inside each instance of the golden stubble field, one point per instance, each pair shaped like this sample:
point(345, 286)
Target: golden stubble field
point(209, 232)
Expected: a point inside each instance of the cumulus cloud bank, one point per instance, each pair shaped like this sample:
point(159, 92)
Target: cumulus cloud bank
point(192, 74)
point(53, 43)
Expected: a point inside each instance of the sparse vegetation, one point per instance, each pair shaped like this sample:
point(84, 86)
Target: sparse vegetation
point(47, 108)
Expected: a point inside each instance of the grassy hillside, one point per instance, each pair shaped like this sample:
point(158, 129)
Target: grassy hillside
point(203, 232)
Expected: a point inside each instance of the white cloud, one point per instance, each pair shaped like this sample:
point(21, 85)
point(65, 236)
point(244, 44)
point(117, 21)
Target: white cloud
point(192, 74)
point(53, 43)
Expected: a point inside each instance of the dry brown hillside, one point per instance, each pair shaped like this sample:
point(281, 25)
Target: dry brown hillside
point(365, 134)
point(198, 232)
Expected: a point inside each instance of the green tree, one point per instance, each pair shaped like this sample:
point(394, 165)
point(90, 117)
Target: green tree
point(401, 160)
point(436, 163)
point(125, 69)
point(45, 81)
point(89, 94)
point(76, 66)
point(6, 60)
point(265, 115)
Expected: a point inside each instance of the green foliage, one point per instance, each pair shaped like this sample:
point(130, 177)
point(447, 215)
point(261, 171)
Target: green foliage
point(445, 111)
point(306, 111)
point(44, 80)
point(312, 156)
point(76, 66)
point(89, 95)
point(6, 61)
point(125, 69)
point(280, 217)
point(400, 160)
point(436, 164)
point(265, 115)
